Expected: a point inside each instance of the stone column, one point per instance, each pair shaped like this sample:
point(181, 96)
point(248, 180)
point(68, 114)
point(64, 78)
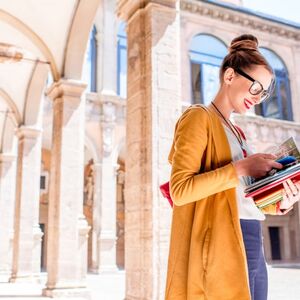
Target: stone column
point(285, 242)
point(104, 209)
point(295, 84)
point(267, 242)
point(27, 233)
point(296, 227)
point(7, 203)
point(67, 227)
point(97, 170)
point(107, 49)
point(108, 208)
point(153, 105)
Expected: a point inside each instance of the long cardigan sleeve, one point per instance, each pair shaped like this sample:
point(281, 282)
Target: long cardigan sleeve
point(190, 142)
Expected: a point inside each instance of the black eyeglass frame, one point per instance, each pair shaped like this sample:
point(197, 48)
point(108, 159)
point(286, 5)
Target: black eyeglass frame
point(265, 94)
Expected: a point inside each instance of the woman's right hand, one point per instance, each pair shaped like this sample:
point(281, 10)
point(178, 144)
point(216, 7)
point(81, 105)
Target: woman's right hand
point(256, 165)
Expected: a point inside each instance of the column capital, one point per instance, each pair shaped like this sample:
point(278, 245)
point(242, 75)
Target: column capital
point(127, 8)
point(7, 157)
point(66, 88)
point(28, 132)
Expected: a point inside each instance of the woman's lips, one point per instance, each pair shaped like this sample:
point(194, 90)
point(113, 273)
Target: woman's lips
point(247, 103)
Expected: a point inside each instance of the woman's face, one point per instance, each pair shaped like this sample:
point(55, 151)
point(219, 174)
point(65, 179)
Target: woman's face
point(240, 97)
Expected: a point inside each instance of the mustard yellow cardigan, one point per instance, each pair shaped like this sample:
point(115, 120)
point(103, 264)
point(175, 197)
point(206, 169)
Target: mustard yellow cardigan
point(207, 257)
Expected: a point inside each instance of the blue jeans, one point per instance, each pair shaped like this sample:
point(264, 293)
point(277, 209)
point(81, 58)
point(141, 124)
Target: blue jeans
point(257, 271)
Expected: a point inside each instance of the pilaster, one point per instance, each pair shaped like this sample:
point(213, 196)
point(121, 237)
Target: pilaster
point(105, 178)
point(7, 203)
point(27, 234)
point(153, 106)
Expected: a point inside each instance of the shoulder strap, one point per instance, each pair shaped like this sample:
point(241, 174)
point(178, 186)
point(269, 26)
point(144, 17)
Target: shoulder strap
point(241, 132)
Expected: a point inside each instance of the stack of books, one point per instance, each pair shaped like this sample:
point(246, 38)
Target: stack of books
point(269, 190)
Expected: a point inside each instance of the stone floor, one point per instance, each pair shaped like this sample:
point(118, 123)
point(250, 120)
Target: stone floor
point(102, 287)
point(284, 285)
point(284, 282)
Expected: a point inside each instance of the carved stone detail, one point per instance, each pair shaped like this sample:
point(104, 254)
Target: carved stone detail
point(264, 133)
point(104, 107)
point(239, 18)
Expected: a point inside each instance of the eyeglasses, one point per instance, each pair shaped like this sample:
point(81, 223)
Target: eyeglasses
point(256, 87)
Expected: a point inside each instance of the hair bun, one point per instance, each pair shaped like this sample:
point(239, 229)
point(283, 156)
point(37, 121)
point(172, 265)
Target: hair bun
point(245, 42)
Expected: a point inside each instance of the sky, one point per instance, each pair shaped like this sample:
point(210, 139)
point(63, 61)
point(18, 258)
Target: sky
point(286, 9)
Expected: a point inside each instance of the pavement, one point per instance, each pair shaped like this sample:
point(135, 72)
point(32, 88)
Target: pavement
point(284, 284)
point(101, 287)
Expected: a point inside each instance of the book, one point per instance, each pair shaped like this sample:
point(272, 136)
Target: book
point(269, 189)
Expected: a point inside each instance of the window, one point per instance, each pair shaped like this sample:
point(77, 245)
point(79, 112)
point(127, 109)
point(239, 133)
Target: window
point(206, 55)
point(122, 61)
point(44, 179)
point(274, 233)
point(278, 106)
point(89, 68)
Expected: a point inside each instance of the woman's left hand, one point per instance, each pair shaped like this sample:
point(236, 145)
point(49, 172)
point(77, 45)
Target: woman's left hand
point(291, 195)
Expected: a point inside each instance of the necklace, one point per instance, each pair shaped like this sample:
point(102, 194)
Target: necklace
point(233, 129)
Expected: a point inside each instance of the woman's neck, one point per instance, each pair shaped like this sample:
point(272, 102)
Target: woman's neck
point(223, 104)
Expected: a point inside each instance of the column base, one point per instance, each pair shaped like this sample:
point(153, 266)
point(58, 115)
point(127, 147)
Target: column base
point(107, 253)
point(5, 276)
point(26, 278)
point(82, 293)
point(108, 269)
point(104, 270)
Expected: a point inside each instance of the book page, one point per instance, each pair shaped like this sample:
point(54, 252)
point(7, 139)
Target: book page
point(288, 147)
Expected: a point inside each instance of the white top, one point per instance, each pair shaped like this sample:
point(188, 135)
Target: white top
point(246, 206)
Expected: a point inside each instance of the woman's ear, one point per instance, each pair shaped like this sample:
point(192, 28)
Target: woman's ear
point(228, 76)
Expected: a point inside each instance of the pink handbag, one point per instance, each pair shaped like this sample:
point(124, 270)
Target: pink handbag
point(165, 190)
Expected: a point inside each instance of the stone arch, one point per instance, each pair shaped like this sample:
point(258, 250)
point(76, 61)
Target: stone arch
point(278, 57)
point(8, 139)
point(279, 105)
point(14, 113)
point(206, 53)
point(205, 34)
point(12, 121)
point(33, 37)
point(78, 38)
point(36, 86)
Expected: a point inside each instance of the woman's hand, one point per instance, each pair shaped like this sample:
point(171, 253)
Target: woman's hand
point(290, 195)
point(256, 165)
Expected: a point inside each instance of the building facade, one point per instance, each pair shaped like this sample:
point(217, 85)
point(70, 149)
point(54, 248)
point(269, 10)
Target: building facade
point(88, 104)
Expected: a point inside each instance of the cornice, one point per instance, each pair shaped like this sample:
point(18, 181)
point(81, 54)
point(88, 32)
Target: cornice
point(127, 8)
point(239, 18)
point(28, 132)
point(66, 88)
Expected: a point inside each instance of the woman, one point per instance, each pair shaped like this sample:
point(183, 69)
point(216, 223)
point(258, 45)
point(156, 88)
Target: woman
point(216, 244)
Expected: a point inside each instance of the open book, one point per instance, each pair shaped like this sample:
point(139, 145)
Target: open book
point(268, 190)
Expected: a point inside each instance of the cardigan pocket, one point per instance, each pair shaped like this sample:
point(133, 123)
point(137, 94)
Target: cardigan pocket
point(205, 248)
